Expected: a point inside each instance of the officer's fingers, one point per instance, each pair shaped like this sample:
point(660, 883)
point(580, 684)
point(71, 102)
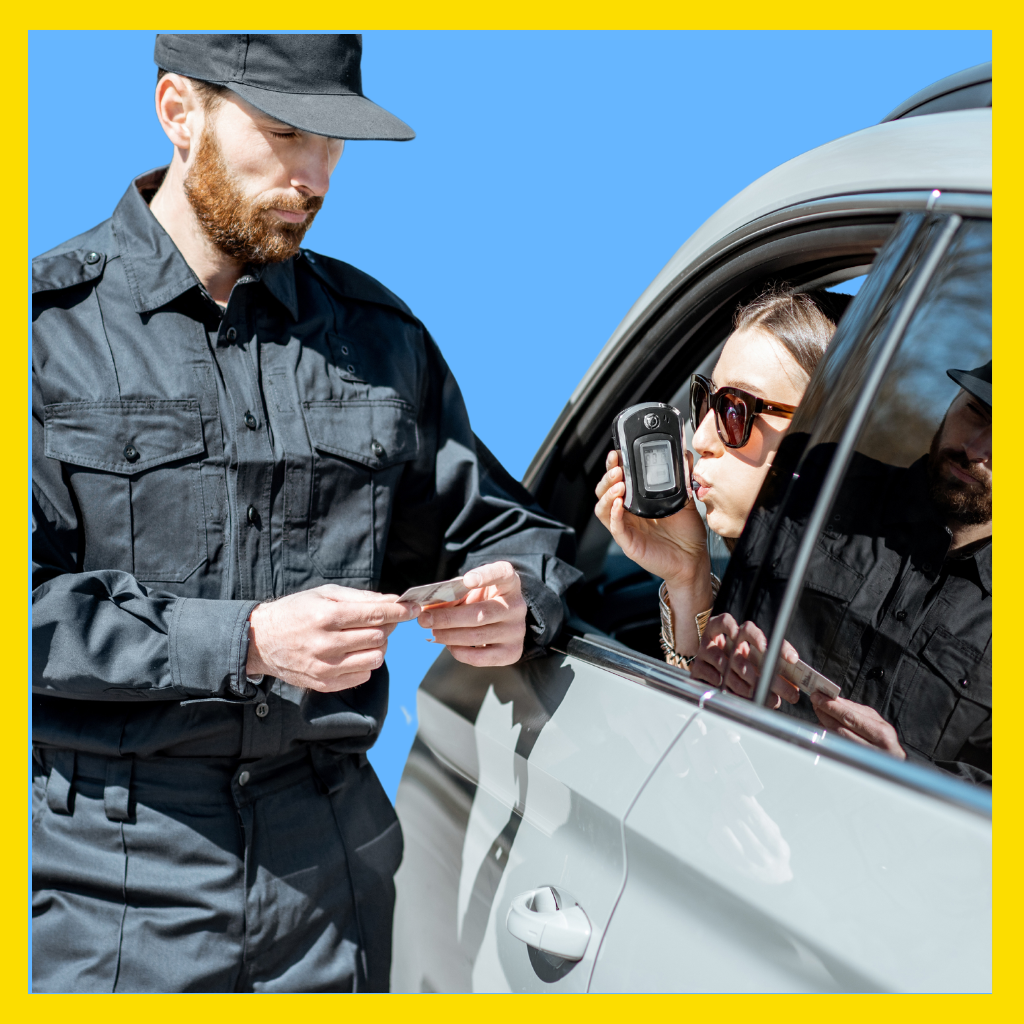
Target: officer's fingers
point(332, 645)
point(496, 633)
point(611, 459)
point(849, 734)
point(490, 656)
point(480, 613)
point(845, 712)
point(345, 682)
point(364, 660)
point(500, 575)
point(360, 614)
point(826, 719)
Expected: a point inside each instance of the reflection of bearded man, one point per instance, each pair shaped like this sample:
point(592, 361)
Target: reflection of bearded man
point(957, 499)
point(241, 227)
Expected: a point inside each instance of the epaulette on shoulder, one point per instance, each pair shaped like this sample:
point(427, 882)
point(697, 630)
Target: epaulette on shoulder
point(352, 283)
point(77, 266)
point(76, 261)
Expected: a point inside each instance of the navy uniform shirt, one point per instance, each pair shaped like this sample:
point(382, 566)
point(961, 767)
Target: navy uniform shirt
point(190, 461)
point(887, 611)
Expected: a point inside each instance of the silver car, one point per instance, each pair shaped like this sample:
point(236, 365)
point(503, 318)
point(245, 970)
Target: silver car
point(595, 820)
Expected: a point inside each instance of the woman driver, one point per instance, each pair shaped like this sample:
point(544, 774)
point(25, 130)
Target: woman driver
point(739, 418)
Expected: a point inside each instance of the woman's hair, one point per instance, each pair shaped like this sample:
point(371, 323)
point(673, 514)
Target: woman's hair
point(794, 319)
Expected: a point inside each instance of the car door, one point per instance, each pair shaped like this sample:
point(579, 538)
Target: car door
point(521, 780)
point(764, 853)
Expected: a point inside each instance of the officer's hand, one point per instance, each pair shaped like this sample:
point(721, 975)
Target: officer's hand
point(857, 722)
point(489, 626)
point(329, 638)
point(730, 656)
point(674, 548)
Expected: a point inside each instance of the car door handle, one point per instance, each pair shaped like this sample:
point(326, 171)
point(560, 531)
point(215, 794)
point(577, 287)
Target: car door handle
point(551, 921)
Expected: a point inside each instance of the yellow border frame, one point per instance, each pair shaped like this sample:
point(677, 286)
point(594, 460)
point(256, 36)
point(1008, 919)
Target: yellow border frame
point(526, 14)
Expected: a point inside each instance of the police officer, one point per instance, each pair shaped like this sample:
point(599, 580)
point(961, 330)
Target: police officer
point(242, 452)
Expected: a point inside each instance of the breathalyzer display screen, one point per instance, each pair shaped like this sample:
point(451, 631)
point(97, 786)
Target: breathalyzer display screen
point(657, 466)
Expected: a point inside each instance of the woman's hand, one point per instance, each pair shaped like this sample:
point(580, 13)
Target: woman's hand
point(674, 548)
point(730, 657)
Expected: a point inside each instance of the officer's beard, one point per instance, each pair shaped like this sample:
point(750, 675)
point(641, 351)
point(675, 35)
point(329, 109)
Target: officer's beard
point(956, 499)
point(243, 228)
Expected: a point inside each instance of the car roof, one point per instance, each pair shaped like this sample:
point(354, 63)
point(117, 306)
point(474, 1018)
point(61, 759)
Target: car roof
point(965, 89)
point(950, 151)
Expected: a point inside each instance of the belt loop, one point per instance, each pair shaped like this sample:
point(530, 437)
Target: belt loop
point(58, 785)
point(116, 788)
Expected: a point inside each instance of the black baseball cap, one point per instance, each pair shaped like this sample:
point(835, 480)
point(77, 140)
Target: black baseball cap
point(977, 381)
point(311, 82)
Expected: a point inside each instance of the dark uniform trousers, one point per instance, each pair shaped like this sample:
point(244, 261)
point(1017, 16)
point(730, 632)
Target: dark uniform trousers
point(267, 855)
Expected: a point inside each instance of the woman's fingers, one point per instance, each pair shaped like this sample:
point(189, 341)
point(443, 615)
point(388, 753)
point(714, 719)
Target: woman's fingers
point(613, 476)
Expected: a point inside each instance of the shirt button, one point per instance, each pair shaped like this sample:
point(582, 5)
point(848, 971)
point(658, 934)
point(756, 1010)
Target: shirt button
point(250, 420)
point(378, 449)
point(901, 615)
point(131, 453)
point(231, 334)
point(926, 567)
point(877, 673)
point(243, 779)
point(965, 682)
point(262, 709)
point(93, 257)
point(253, 516)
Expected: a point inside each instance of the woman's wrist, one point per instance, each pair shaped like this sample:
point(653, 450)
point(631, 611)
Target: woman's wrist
point(685, 609)
point(691, 586)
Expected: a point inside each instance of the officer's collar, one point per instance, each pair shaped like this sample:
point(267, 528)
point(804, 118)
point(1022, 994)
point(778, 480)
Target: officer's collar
point(156, 270)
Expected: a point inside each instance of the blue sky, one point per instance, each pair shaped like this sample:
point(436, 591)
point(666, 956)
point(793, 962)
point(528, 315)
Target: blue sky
point(552, 176)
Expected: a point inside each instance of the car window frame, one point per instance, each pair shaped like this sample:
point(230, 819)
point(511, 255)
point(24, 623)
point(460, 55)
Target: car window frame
point(606, 653)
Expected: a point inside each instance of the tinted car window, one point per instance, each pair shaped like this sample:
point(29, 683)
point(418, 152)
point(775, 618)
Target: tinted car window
point(887, 611)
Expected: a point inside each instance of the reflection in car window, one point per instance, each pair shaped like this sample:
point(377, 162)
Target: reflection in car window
point(895, 606)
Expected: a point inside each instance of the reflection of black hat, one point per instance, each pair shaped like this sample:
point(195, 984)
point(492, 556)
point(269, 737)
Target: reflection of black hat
point(978, 381)
point(311, 82)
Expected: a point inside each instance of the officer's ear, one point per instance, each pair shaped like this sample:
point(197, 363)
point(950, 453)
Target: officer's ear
point(179, 111)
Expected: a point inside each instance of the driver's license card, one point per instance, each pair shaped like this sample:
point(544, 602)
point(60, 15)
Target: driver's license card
point(437, 595)
point(805, 678)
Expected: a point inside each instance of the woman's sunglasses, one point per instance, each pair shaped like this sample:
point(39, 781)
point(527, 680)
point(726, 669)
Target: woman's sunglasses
point(735, 410)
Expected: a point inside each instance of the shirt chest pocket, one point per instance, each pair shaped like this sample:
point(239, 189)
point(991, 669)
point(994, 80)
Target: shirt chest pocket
point(950, 699)
point(360, 448)
point(134, 467)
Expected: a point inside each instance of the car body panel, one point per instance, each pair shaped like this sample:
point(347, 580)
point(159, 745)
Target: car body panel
point(549, 784)
point(757, 866)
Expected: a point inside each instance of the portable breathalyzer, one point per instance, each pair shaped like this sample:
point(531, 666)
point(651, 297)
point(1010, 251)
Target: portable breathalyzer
point(651, 441)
